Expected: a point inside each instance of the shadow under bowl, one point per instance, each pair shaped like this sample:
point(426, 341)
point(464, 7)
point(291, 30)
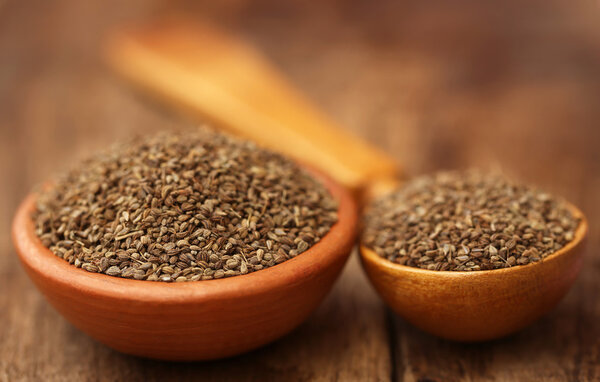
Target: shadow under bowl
point(197, 320)
point(478, 305)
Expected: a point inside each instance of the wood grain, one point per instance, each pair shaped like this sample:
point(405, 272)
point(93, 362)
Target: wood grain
point(412, 77)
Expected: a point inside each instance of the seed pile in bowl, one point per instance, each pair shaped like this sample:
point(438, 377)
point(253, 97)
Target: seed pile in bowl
point(183, 206)
point(467, 221)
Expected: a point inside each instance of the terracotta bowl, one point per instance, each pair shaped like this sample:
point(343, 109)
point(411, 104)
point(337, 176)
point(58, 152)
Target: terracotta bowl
point(477, 306)
point(194, 320)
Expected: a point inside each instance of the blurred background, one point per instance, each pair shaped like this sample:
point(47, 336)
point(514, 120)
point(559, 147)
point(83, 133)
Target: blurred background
point(435, 84)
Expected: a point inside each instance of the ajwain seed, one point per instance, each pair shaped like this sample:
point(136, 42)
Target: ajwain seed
point(475, 220)
point(183, 206)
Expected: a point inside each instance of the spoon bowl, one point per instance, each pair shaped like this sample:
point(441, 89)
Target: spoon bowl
point(197, 320)
point(478, 305)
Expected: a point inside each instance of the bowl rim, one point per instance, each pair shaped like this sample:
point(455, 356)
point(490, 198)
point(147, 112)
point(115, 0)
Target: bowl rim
point(370, 256)
point(334, 246)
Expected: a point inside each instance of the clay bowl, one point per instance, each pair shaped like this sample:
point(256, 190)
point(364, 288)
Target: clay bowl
point(199, 320)
point(477, 306)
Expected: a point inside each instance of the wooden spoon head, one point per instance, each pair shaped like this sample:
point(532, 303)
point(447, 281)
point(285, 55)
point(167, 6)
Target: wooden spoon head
point(480, 305)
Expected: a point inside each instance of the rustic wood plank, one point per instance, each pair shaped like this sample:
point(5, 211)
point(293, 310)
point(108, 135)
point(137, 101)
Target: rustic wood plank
point(409, 76)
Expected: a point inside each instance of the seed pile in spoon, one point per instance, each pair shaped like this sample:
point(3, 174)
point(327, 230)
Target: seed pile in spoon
point(467, 221)
point(183, 207)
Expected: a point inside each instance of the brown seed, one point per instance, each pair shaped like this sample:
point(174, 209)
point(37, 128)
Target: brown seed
point(466, 221)
point(219, 274)
point(232, 264)
point(90, 267)
point(113, 271)
point(171, 206)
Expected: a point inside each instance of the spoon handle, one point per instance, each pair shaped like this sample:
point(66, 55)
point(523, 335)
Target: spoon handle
point(205, 72)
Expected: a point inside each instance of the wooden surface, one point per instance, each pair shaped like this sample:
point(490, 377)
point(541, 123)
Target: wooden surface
point(435, 84)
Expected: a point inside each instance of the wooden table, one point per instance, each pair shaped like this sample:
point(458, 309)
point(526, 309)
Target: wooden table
point(437, 85)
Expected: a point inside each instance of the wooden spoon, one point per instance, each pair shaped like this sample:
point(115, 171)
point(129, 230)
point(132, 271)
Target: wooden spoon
point(198, 69)
point(480, 305)
point(201, 69)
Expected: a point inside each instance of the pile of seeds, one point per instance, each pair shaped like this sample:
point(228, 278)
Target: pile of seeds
point(183, 207)
point(467, 221)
